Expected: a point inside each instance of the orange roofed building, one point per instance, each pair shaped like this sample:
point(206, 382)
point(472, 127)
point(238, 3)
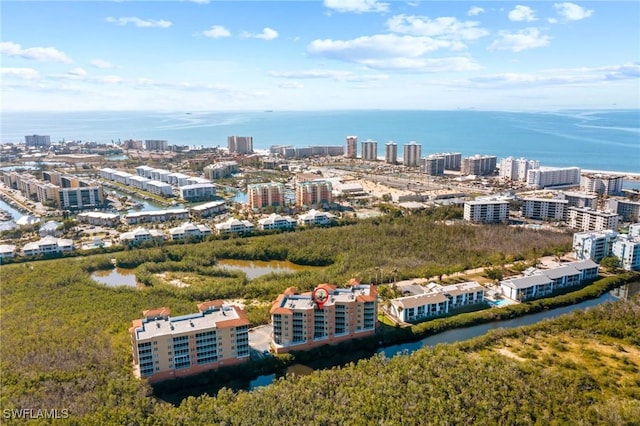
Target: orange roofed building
point(166, 347)
point(299, 323)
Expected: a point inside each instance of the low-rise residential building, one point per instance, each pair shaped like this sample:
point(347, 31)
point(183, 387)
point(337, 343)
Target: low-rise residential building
point(544, 208)
point(166, 347)
point(156, 216)
point(541, 283)
point(436, 300)
point(212, 208)
point(234, 226)
point(99, 218)
point(486, 211)
point(275, 221)
point(198, 192)
point(7, 251)
point(83, 197)
point(593, 245)
point(585, 219)
point(315, 217)
point(301, 323)
point(47, 245)
point(189, 230)
point(140, 235)
point(159, 188)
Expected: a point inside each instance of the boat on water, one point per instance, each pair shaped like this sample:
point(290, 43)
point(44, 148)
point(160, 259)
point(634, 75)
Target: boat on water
point(5, 215)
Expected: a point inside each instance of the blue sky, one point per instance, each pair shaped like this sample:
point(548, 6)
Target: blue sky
point(306, 55)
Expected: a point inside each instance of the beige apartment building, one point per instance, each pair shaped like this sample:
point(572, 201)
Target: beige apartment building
point(166, 347)
point(266, 194)
point(299, 323)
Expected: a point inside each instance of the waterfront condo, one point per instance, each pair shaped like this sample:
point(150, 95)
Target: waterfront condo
point(299, 323)
point(167, 347)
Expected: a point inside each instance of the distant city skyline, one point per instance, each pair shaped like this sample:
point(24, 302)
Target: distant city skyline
point(206, 55)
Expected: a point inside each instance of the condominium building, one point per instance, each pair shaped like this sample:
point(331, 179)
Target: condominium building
point(220, 170)
point(352, 147)
point(300, 322)
point(208, 209)
point(37, 141)
point(275, 221)
point(234, 226)
point(166, 347)
point(47, 245)
point(579, 199)
point(452, 160)
point(593, 245)
point(585, 219)
point(432, 165)
point(487, 211)
point(627, 249)
point(266, 195)
point(313, 193)
point(156, 216)
point(314, 217)
point(391, 153)
point(546, 177)
point(140, 235)
point(541, 283)
point(411, 154)
point(602, 183)
point(85, 197)
point(189, 230)
point(436, 300)
point(99, 218)
point(369, 150)
point(156, 145)
point(516, 168)
point(198, 192)
point(159, 188)
point(628, 210)
point(479, 165)
point(240, 144)
point(544, 208)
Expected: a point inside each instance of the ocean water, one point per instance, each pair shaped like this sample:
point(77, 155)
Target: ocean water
point(598, 140)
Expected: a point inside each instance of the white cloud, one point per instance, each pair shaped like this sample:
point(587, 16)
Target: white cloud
point(522, 13)
point(475, 11)
point(554, 77)
point(199, 1)
point(77, 72)
point(571, 11)
point(23, 73)
point(267, 34)
point(328, 74)
point(443, 27)
point(529, 38)
point(424, 65)
point(35, 53)
point(140, 23)
point(217, 31)
point(102, 64)
point(356, 6)
point(291, 85)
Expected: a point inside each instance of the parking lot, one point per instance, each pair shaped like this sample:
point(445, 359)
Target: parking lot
point(259, 338)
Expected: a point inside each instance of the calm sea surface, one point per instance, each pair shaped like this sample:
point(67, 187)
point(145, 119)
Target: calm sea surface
point(600, 140)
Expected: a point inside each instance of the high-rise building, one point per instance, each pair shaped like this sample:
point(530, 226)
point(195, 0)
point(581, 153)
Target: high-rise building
point(302, 322)
point(544, 208)
point(593, 245)
point(487, 211)
point(352, 147)
point(516, 169)
point(601, 183)
point(167, 347)
point(585, 219)
point(37, 141)
point(627, 250)
point(369, 150)
point(452, 160)
point(432, 165)
point(391, 153)
point(478, 165)
point(240, 144)
point(266, 194)
point(411, 154)
point(545, 177)
point(156, 145)
point(314, 192)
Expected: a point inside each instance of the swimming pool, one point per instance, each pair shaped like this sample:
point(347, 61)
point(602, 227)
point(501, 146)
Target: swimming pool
point(499, 302)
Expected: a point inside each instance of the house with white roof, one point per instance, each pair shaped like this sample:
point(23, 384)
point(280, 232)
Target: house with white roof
point(47, 245)
point(315, 217)
point(189, 230)
point(275, 221)
point(140, 235)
